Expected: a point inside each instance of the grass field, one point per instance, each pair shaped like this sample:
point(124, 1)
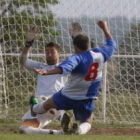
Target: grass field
point(65, 137)
point(99, 131)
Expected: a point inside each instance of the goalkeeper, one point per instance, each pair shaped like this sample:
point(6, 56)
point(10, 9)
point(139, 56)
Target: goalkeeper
point(46, 85)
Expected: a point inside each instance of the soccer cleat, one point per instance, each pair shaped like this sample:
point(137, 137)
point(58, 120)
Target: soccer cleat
point(32, 102)
point(74, 129)
point(21, 131)
point(51, 132)
point(65, 123)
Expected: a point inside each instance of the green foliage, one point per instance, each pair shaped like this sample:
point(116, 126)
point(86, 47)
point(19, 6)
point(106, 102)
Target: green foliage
point(15, 21)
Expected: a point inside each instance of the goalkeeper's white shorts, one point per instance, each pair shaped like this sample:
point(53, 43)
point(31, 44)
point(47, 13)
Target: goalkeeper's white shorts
point(45, 118)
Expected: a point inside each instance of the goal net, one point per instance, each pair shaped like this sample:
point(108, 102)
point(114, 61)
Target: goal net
point(3, 97)
point(119, 100)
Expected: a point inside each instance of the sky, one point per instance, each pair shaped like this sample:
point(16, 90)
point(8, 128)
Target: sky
point(97, 8)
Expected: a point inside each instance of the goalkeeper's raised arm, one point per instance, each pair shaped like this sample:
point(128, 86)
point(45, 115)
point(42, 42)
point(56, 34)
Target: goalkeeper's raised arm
point(75, 29)
point(32, 34)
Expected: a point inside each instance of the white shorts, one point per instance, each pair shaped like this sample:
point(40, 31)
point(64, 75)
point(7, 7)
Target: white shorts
point(45, 118)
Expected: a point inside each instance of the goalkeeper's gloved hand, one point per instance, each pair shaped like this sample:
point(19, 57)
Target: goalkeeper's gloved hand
point(32, 34)
point(75, 29)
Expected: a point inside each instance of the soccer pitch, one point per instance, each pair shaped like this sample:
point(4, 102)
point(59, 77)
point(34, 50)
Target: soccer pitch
point(99, 131)
point(65, 137)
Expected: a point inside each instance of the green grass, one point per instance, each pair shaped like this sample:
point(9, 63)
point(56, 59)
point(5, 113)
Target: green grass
point(9, 131)
point(65, 137)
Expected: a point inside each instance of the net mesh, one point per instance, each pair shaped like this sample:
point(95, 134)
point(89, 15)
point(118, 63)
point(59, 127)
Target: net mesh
point(120, 100)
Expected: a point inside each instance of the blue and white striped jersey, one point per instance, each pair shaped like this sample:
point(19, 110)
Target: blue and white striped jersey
point(86, 71)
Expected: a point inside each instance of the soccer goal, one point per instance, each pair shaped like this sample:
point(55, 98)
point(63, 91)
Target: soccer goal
point(119, 98)
point(3, 96)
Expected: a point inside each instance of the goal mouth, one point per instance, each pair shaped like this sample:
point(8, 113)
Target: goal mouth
point(119, 99)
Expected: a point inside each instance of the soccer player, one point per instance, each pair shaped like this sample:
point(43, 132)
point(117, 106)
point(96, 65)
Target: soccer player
point(46, 85)
point(81, 90)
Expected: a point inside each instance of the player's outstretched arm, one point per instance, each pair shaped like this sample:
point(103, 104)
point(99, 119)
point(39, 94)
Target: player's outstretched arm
point(49, 72)
point(110, 47)
point(32, 34)
point(103, 25)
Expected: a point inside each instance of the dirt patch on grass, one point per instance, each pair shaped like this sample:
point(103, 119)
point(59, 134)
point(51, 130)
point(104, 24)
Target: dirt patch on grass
point(115, 131)
point(93, 131)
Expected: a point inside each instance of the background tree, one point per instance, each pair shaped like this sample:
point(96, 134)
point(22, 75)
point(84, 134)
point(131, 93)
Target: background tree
point(16, 15)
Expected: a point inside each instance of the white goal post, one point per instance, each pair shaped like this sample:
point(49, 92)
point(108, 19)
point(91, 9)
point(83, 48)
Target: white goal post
point(3, 96)
point(119, 98)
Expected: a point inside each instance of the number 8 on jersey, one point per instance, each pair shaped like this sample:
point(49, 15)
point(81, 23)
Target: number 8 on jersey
point(92, 73)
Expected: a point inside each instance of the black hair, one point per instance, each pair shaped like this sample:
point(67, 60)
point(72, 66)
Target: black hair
point(81, 41)
point(52, 44)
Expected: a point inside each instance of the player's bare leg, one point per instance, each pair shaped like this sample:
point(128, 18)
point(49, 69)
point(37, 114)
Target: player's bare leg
point(34, 130)
point(40, 108)
point(33, 126)
point(34, 123)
